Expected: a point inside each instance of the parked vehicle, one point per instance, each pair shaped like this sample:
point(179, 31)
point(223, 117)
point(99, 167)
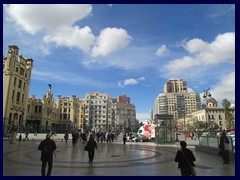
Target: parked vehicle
point(146, 132)
point(231, 133)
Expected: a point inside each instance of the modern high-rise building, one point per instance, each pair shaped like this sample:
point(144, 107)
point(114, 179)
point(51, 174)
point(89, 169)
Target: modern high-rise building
point(16, 82)
point(175, 86)
point(176, 100)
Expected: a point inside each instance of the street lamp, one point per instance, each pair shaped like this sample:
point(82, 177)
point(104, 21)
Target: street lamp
point(184, 125)
point(207, 94)
point(176, 125)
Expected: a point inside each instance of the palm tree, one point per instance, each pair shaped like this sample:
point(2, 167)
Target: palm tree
point(228, 116)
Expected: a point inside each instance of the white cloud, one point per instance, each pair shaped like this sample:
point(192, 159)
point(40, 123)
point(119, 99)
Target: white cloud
point(225, 89)
point(221, 50)
point(50, 17)
point(81, 38)
point(196, 46)
point(162, 50)
point(57, 21)
point(109, 40)
point(130, 81)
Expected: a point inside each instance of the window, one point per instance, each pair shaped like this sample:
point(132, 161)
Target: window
point(220, 117)
point(21, 71)
point(18, 97)
point(19, 83)
point(22, 98)
point(13, 95)
point(25, 75)
point(36, 108)
point(15, 79)
point(24, 86)
point(28, 108)
point(16, 69)
point(40, 109)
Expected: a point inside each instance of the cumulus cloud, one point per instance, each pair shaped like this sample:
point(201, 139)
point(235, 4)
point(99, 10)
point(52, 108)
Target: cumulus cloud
point(58, 22)
point(109, 40)
point(221, 50)
point(225, 89)
point(162, 50)
point(130, 81)
point(50, 17)
point(72, 37)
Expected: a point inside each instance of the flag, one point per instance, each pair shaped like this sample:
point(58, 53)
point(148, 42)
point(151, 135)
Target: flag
point(50, 86)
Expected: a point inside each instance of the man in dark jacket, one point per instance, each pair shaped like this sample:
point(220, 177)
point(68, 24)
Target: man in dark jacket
point(92, 145)
point(223, 146)
point(181, 157)
point(47, 148)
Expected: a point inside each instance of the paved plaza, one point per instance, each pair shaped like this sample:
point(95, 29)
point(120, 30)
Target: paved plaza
point(115, 159)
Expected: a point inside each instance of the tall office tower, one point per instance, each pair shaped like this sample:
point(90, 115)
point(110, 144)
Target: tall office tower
point(175, 86)
point(16, 82)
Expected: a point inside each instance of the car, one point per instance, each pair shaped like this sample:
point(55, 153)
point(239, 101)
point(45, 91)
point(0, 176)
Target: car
point(205, 134)
point(231, 133)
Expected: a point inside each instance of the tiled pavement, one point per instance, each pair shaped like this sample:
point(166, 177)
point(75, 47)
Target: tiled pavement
point(115, 159)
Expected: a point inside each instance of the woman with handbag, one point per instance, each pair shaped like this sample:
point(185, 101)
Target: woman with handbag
point(92, 145)
point(185, 159)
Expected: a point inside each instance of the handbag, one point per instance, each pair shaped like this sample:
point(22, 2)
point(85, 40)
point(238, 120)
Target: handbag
point(86, 148)
point(193, 172)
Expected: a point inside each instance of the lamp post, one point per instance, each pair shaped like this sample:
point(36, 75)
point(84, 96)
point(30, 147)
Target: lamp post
point(207, 94)
point(176, 125)
point(184, 125)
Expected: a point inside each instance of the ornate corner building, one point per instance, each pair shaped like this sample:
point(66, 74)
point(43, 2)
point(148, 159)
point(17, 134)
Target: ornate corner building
point(16, 83)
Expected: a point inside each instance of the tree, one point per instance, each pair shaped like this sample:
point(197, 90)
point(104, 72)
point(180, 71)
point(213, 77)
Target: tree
point(228, 115)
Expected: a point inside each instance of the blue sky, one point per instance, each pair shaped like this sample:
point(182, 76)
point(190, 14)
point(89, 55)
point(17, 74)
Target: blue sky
point(125, 49)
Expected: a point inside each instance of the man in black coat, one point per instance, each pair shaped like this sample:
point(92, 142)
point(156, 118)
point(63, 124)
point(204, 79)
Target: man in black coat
point(184, 164)
point(47, 148)
point(92, 145)
point(223, 146)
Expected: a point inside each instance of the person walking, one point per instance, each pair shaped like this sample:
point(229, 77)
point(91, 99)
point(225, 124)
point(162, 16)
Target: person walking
point(124, 138)
point(223, 146)
point(185, 159)
point(66, 136)
point(47, 148)
point(92, 145)
point(26, 136)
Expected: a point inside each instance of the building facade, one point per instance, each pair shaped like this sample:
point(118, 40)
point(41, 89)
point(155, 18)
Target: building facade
point(175, 86)
point(210, 114)
point(16, 82)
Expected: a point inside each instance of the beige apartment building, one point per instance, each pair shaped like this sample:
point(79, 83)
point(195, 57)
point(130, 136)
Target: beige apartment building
point(16, 82)
point(211, 114)
point(101, 112)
